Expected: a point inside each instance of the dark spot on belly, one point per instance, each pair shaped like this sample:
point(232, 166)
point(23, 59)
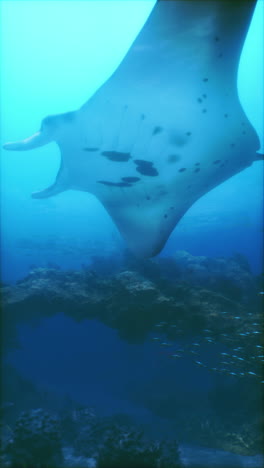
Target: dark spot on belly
point(220, 55)
point(171, 207)
point(145, 167)
point(68, 117)
point(113, 184)
point(142, 116)
point(90, 149)
point(225, 115)
point(147, 170)
point(182, 169)
point(188, 133)
point(157, 130)
point(217, 161)
point(199, 100)
point(216, 38)
point(197, 169)
point(232, 145)
point(176, 139)
point(172, 158)
point(222, 165)
point(148, 198)
point(130, 180)
point(116, 156)
point(165, 216)
point(204, 111)
point(197, 164)
point(244, 133)
point(205, 80)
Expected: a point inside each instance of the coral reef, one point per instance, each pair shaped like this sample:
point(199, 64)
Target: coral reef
point(127, 449)
point(36, 440)
point(190, 306)
point(169, 296)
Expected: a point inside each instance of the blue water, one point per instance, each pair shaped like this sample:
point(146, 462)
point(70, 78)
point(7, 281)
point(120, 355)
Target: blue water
point(87, 361)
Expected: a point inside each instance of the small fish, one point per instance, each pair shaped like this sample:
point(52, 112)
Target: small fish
point(196, 344)
point(240, 358)
point(251, 373)
point(156, 338)
point(225, 354)
point(200, 363)
point(237, 318)
point(261, 293)
point(176, 356)
point(164, 343)
point(232, 373)
point(258, 346)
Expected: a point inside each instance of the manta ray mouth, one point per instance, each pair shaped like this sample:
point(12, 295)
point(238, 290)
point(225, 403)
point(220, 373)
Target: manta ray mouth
point(167, 126)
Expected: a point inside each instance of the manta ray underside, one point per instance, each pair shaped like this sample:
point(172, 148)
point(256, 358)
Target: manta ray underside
point(166, 127)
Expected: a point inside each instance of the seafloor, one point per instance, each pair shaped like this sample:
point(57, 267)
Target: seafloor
point(207, 310)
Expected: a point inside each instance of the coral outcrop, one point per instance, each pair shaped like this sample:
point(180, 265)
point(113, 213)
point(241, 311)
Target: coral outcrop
point(195, 305)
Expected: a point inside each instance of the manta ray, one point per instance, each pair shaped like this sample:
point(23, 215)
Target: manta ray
point(165, 128)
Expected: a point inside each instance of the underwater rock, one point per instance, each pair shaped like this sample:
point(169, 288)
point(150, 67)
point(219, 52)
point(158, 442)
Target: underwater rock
point(137, 285)
point(128, 449)
point(73, 461)
point(101, 442)
point(201, 457)
point(231, 275)
point(115, 445)
point(36, 440)
point(223, 305)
